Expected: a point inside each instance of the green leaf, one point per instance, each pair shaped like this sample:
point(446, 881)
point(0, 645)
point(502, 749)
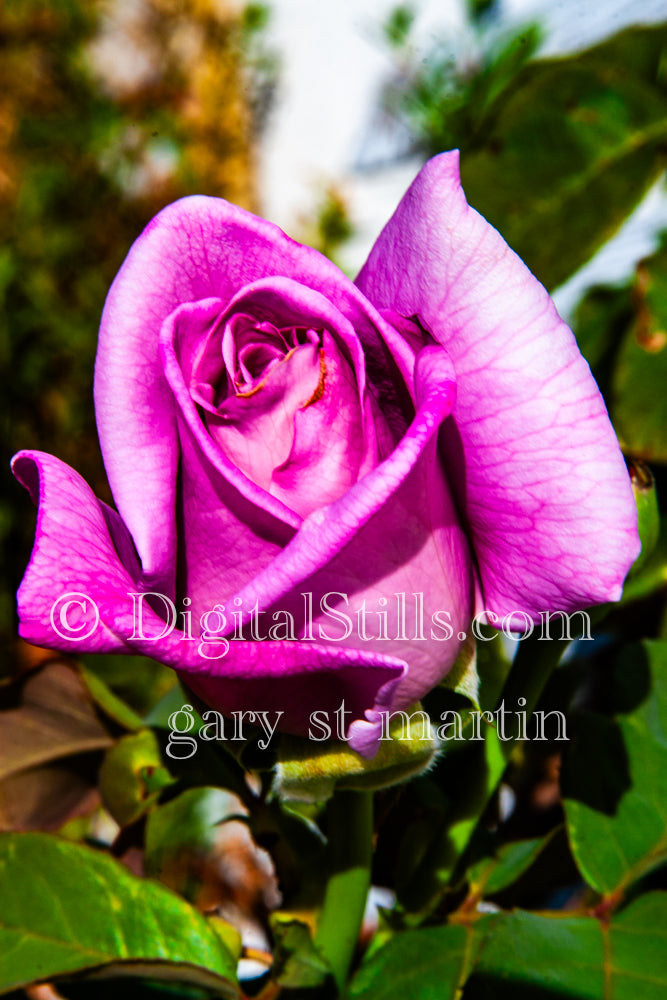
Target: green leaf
point(50, 716)
point(427, 964)
point(648, 513)
point(570, 148)
point(110, 704)
point(526, 956)
point(557, 956)
point(51, 738)
point(530, 956)
point(132, 776)
point(136, 680)
point(600, 322)
point(181, 834)
point(637, 939)
point(50, 795)
point(638, 399)
point(651, 578)
point(67, 908)
point(478, 675)
point(297, 963)
point(615, 776)
point(622, 331)
point(492, 875)
point(228, 934)
point(172, 701)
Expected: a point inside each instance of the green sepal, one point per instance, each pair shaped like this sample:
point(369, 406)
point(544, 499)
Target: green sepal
point(463, 677)
point(310, 772)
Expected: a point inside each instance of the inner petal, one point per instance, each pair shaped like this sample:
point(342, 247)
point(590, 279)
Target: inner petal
point(281, 388)
point(256, 428)
point(250, 347)
point(256, 361)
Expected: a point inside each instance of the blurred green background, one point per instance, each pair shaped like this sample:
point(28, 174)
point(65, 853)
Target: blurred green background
point(94, 140)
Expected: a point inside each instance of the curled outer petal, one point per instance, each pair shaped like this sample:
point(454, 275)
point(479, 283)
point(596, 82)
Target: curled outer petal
point(530, 452)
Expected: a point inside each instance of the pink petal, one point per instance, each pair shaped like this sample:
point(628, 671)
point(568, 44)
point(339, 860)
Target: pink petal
point(298, 679)
point(198, 248)
point(530, 451)
point(396, 531)
point(309, 430)
point(325, 532)
point(77, 541)
point(75, 568)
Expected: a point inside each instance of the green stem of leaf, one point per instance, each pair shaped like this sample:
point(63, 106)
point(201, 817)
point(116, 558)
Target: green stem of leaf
point(350, 843)
point(533, 664)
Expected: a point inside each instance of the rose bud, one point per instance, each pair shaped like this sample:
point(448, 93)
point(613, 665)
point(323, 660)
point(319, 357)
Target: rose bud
point(321, 481)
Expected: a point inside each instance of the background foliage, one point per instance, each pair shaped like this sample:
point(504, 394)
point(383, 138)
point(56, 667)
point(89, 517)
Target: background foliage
point(532, 870)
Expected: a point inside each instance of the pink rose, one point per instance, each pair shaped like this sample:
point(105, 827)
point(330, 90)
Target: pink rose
point(272, 430)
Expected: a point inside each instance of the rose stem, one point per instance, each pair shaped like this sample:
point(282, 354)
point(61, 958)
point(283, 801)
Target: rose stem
point(350, 820)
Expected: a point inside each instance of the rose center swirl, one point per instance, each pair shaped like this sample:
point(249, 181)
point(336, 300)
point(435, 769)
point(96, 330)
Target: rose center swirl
point(280, 382)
